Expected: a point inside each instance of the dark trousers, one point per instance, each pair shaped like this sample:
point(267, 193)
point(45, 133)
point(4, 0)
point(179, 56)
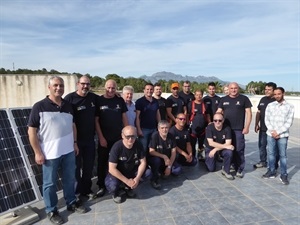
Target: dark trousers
point(158, 167)
point(84, 166)
point(102, 169)
point(113, 184)
point(238, 141)
point(211, 162)
point(194, 140)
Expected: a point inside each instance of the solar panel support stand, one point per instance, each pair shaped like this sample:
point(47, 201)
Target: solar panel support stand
point(22, 216)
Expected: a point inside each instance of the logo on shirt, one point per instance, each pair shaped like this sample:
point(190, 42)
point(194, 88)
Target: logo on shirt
point(238, 103)
point(92, 104)
point(225, 103)
point(217, 102)
point(104, 107)
point(81, 107)
point(123, 158)
point(174, 105)
point(118, 106)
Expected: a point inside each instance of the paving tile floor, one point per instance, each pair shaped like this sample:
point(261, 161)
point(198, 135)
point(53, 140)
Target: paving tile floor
point(198, 197)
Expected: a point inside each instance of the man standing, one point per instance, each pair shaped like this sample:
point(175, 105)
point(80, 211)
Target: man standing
point(109, 124)
point(147, 116)
point(127, 94)
point(211, 100)
point(186, 93)
point(260, 125)
point(84, 107)
point(161, 101)
point(218, 139)
point(237, 113)
point(175, 104)
point(183, 144)
point(127, 165)
point(52, 135)
point(162, 149)
point(278, 118)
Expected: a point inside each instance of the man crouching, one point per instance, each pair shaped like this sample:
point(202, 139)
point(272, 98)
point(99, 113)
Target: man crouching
point(127, 164)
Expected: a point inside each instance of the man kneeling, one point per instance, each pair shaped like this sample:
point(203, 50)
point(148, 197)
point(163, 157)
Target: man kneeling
point(218, 138)
point(127, 164)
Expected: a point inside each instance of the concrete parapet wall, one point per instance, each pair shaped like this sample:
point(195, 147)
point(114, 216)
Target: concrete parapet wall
point(23, 90)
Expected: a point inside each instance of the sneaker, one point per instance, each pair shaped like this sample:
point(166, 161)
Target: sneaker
point(227, 175)
point(155, 184)
point(232, 169)
point(130, 193)
point(117, 198)
point(77, 207)
point(200, 156)
point(260, 165)
point(284, 179)
point(239, 174)
point(90, 196)
point(268, 175)
point(55, 218)
point(100, 192)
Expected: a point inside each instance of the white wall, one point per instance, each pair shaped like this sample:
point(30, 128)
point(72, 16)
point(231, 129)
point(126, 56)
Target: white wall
point(23, 90)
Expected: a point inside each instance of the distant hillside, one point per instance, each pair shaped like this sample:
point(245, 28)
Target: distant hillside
point(178, 77)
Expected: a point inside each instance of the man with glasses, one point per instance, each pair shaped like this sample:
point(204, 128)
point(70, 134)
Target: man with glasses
point(175, 104)
point(218, 139)
point(127, 166)
point(84, 107)
point(183, 144)
point(162, 149)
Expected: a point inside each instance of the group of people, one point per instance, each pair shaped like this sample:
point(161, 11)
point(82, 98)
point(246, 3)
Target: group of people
point(150, 138)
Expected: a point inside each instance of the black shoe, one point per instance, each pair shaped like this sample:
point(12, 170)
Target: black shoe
point(284, 179)
point(89, 196)
point(100, 192)
point(55, 218)
point(260, 165)
point(117, 198)
point(155, 184)
point(77, 207)
point(130, 193)
point(269, 175)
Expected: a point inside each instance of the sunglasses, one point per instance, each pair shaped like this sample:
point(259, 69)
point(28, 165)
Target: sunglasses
point(130, 137)
point(218, 121)
point(181, 118)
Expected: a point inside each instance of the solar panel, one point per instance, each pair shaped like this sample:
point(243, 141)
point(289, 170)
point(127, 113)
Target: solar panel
point(20, 120)
point(16, 184)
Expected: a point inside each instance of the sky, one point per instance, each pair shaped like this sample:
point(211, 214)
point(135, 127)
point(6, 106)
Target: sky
point(242, 41)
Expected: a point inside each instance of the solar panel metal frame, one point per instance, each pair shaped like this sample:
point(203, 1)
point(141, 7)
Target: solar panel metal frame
point(15, 174)
point(24, 140)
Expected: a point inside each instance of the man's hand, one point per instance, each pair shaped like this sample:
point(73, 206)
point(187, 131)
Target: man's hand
point(39, 158)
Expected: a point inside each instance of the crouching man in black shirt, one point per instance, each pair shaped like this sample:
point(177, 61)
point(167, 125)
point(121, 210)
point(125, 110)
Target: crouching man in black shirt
point(127, 165)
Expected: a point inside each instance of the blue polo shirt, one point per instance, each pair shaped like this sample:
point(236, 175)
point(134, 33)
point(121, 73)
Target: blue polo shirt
point(148, 112)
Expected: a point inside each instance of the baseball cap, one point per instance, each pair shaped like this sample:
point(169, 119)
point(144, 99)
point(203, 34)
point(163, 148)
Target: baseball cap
point(174, 85)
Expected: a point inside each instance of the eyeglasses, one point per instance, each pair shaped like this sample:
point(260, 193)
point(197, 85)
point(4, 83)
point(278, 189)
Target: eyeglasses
point(181, 118)
point(130, 137)
point(218, 121)
point(87, 84)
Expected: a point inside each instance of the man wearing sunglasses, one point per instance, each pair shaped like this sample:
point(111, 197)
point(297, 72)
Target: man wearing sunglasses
point(126, 166)
point(218, 138)
point(182, 136)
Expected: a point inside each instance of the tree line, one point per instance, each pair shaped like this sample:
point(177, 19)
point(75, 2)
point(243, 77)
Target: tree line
point(138, 83)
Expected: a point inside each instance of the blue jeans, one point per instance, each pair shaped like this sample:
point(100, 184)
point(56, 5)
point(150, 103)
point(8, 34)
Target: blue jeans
point(281, 145)
point(50, 170)
point(262, 145)
point(84, 166)
point(146, 138)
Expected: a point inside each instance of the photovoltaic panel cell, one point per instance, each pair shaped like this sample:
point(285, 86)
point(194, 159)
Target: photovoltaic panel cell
point(20, 117)
point(16, 186)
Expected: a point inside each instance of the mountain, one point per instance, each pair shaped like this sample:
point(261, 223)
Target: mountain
point(178, 77)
